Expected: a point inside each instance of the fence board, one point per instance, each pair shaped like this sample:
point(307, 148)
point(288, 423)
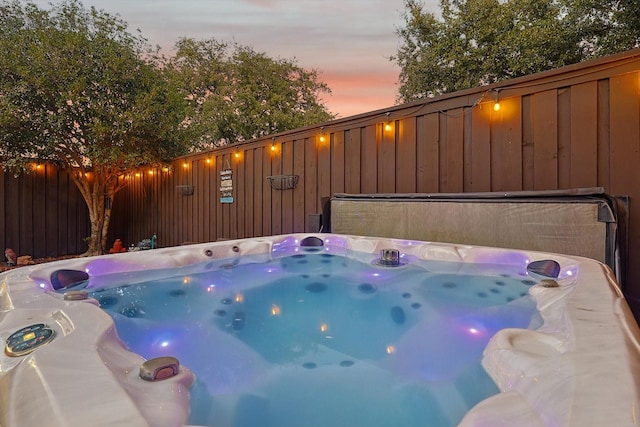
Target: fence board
point(4, 225)
point(406, 155)
point(287, 195)
point(258, 190)
point(310, 176)
point(428, 152)
point(337, 163)
point(238, 207)
point(604, 132)
point(50, 188)
point(267, 193)
point(276, 197)
point(249, 196)
point(324, 170)
point(506, 143)
point(584, 135)
point(478, 150)
point(17, 186)
point(544, 111)
point(564, 137)
point(369, 168)
point(452, 153)
point(625, 133)
point(385, 135)
point(299, 199)
point(625, 154)
point(353, 164)
point(26, 212)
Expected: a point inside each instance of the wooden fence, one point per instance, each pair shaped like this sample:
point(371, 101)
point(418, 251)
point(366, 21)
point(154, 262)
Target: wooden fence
point(577, 126)
point(42, 214)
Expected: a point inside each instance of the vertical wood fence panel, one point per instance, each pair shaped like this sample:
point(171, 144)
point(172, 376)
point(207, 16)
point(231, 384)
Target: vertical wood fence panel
point(369, 153)
point(323, 188)
point(544, 109)
point(478, 152)
point(625, 155)
point(42, 214)
point(604, 131)
point(337, 163)
point(428, 153)
point(453, 161)
point(267, 192)
point(385, 135)
point(584, 135)
point(406, 155)
point(353, 164)
point(287, 195)
point(564, 149)
point(299, 196)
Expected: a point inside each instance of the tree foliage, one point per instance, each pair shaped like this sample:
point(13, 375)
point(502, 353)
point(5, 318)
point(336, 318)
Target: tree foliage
point(478, 42)
point(76, 89)
point(237, 94)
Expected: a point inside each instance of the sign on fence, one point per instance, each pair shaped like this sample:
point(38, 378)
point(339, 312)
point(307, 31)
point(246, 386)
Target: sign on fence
point(226, 186)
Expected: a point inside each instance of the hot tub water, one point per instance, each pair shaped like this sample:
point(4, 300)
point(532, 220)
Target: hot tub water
point(324, 338)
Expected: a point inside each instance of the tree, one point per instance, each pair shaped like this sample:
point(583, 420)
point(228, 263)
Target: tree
point(479, 42)
point(237, 94)
point(76, 89)
point(605, 26)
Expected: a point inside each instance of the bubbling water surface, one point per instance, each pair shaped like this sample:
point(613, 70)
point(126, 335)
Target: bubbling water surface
point(318, 339)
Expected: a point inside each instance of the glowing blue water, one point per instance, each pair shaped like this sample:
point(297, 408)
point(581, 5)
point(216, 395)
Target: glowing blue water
point(317, 339)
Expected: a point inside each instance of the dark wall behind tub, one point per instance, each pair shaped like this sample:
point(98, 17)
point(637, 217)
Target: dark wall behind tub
point(42, 214)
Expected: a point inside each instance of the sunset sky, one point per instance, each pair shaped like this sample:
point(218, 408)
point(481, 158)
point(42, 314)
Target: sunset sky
point(348, 41)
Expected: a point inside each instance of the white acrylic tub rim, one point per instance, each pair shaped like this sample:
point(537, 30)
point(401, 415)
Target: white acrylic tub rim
point(581, 368)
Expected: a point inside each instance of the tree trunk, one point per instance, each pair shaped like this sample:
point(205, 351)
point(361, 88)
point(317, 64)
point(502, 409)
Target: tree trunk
point(98, 190)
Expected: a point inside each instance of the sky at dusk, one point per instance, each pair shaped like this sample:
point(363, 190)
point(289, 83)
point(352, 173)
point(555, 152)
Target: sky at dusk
point(348, 41)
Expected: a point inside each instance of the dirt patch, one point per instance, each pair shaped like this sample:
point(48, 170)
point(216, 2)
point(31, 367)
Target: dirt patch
point(5, 267)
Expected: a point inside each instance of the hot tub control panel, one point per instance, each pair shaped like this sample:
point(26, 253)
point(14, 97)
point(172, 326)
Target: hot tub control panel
point(27, 339)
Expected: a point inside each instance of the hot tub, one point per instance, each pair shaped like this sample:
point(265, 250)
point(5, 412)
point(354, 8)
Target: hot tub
point(576, 362)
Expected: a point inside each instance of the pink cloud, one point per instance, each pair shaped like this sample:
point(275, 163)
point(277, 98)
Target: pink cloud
point(358, 92)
